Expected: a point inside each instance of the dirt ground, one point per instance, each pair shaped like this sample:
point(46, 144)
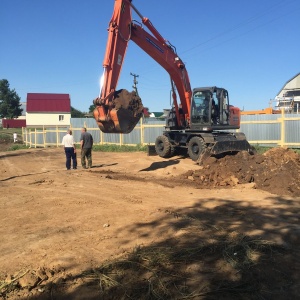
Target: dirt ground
point(142, 227)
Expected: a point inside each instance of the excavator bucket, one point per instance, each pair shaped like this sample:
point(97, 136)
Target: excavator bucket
point(121, 114)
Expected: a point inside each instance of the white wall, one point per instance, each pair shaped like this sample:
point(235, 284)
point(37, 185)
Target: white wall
point(291, 85)
point(39, 119)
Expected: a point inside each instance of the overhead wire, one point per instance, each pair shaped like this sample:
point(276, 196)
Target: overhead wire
point(235, 27)
point(239, 25)
point(244, 33)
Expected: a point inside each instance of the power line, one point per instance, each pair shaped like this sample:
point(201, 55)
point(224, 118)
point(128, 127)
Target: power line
point(239, 25)
point(245, 33)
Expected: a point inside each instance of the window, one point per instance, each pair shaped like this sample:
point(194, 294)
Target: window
point(201, 107)
point(61, 117)
point(292, 93)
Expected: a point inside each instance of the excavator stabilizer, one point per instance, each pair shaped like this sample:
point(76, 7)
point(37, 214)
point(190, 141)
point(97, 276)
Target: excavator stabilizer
point(230, 142)
point(121, 114)
point(225, 143)
point(231, 146)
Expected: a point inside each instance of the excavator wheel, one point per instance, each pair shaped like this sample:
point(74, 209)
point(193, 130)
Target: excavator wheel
point(172, 151)
point(196, 147)
point(163, 147)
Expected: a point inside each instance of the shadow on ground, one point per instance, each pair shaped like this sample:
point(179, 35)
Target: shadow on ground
point(161, 165)
point(229, 251)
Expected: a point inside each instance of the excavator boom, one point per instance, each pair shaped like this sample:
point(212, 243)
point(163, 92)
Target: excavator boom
point(197, 119)
point(119, 111)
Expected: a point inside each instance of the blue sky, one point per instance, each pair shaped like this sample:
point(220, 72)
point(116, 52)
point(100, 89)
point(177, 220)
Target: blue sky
point(250, 48)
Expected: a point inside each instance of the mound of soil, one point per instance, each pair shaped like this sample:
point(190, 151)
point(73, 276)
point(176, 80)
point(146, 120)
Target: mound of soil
point(276, 171)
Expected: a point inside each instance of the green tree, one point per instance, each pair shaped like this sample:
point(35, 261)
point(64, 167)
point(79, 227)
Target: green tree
point(75, 113)
point(9, 101)
point(91, 108)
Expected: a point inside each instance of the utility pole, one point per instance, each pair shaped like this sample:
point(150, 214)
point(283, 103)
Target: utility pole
point(135, 82)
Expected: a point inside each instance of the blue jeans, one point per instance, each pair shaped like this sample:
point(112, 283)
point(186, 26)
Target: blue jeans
point(70, 154)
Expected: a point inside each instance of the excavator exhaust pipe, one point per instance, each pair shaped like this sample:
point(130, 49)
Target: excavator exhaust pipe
point(121, 114)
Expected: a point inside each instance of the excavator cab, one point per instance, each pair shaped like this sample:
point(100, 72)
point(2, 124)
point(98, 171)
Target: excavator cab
point(210, 109)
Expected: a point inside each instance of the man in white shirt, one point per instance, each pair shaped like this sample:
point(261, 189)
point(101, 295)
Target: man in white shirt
point(70, 150)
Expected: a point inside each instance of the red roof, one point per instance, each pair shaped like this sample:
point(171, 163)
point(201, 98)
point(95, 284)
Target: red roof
point(59, 103)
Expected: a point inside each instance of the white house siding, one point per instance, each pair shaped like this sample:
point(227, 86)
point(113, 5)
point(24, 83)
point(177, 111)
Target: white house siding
point(289, 96)
point(293, 84)
point(47, 119)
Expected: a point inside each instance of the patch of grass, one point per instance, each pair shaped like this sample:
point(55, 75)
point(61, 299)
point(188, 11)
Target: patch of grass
point(17, 147)
point(10, 131)
point(230, 260)
point(6, 138)
point(162, 272)
point(6, 135)
point(261, 149)
point(297, 150)
point(118, 148)
point(7, 286)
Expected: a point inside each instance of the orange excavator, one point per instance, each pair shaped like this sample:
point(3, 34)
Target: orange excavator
point(197, 121)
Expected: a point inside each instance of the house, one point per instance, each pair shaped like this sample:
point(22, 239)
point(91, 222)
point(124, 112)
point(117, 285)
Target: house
point(288, 97)
point(48, 109)
point(156, 114)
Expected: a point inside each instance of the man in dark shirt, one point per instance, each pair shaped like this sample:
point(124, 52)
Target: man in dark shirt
point(86, 142)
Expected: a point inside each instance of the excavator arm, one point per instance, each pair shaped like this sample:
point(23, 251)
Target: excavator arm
point(119, 111)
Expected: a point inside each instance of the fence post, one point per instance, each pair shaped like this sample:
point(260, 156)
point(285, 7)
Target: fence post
point(34, 137)
point(44, 136)
point(282, 128)
point(56, 135)
point(24, 135)
point(101, 138)
point(142, 131)
point(30, 143)
point(121, 139)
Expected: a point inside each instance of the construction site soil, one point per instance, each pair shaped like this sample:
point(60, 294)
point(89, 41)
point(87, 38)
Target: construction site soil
point(142, 227)
point(276, 171)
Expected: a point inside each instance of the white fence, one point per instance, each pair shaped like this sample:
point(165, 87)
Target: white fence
point(268, 130)
point(144, 133)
